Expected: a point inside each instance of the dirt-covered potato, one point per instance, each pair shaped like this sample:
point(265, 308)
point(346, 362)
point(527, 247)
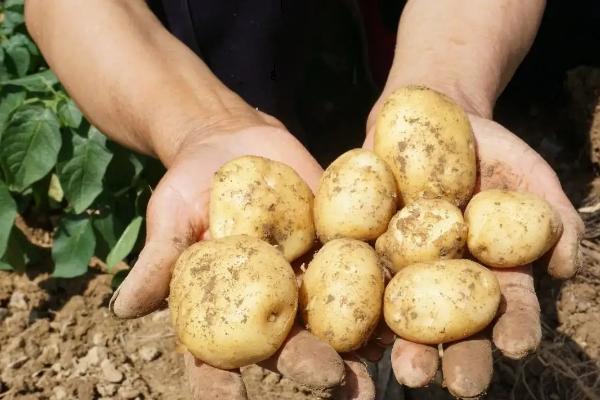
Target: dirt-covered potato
point(426, 230)
point(356, 197)
point(509, 228)
point(441, 301)
point(341, 293)
point(232, 300)
point(427, 140)
point(266, 199)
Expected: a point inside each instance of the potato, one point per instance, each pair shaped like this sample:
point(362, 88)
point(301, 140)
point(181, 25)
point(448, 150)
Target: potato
point(426, 230)
point(341, 293)
point(441, 301)
point(266, 199)
point(233, 300)
point(356, 197)
point(508, 228)
point(427, 140)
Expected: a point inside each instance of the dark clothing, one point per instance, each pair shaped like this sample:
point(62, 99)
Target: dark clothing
point(252, 47)
point(302, 61)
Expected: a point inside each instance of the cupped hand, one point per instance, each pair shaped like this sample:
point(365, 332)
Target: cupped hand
point(504, 161)
point(177, 216)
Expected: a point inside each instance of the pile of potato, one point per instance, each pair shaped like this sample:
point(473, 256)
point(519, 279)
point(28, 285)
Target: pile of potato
point(394, 211)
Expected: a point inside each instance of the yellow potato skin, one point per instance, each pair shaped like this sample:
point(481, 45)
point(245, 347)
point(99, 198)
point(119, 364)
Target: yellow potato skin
point(341, 294)
point(428, 141)
point(356, 197)
point(232, 300)
point(441, 301)
point(426, 230)
point(510, 228)
point(266, 199)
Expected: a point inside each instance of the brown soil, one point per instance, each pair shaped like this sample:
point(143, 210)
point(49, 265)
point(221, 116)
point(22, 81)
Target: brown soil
point(58, 341)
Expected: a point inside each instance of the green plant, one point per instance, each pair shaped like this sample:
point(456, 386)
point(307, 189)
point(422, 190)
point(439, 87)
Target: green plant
point(57, 171)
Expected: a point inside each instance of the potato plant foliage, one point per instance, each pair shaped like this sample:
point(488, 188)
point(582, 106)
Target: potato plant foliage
point(57, 171)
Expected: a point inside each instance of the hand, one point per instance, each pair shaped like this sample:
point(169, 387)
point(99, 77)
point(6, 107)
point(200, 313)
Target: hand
point(177, 216)
point(504, 161)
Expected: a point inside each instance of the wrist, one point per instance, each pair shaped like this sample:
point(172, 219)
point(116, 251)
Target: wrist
point(172, 137)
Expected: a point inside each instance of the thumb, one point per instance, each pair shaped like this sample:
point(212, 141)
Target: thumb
point(169, 232)
point(564, 258)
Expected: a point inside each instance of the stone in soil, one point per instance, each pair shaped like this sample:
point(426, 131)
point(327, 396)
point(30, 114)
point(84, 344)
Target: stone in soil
point(149, 353)
point(110, 372)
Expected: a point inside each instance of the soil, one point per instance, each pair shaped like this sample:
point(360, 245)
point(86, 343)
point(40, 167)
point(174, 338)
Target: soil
point(58, 341)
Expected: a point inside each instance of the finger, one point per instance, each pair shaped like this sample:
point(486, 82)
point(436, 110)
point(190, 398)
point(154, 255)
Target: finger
point(358, 385)
point(308, 361)
point(169, 232)
point(518, 331)
point(467, 367)
point(414, 364)
point(211, 383)
point(565, 257)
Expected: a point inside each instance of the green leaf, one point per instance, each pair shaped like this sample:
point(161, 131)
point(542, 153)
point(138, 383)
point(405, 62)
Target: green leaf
point(29, 147)
point(69, 114)
point(124, 170)
point(107, 228)
point(81, 176)
point(97, 136)
point(138, 165)
point(20, 50)
point(12, 19)
point(20, 58)
point(73, 247)
point(8, 212)
point(8, 104)
point(125, 243)
point(40, 82)
point(14, 5)
point(16, 255)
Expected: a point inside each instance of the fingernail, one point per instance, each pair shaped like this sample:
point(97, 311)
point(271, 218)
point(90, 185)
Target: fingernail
point(113, 299)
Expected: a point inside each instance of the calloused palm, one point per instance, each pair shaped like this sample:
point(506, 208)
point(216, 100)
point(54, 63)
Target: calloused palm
point(177, 216)
point(504, 161)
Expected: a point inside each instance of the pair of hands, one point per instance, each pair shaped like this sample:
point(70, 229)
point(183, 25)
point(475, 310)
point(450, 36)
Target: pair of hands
point(178, 216)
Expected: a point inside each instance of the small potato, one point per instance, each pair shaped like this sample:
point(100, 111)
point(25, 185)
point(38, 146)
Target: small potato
point(425, 230)
point(356, 197)
point(341, 294)
point(508, 228)
point(427, 140)
point(441, 301)
point(232, 300)
point(266, 199)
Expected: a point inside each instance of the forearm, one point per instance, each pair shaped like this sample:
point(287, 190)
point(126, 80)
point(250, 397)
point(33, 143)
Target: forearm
point(132, 79)
point(466, 49)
